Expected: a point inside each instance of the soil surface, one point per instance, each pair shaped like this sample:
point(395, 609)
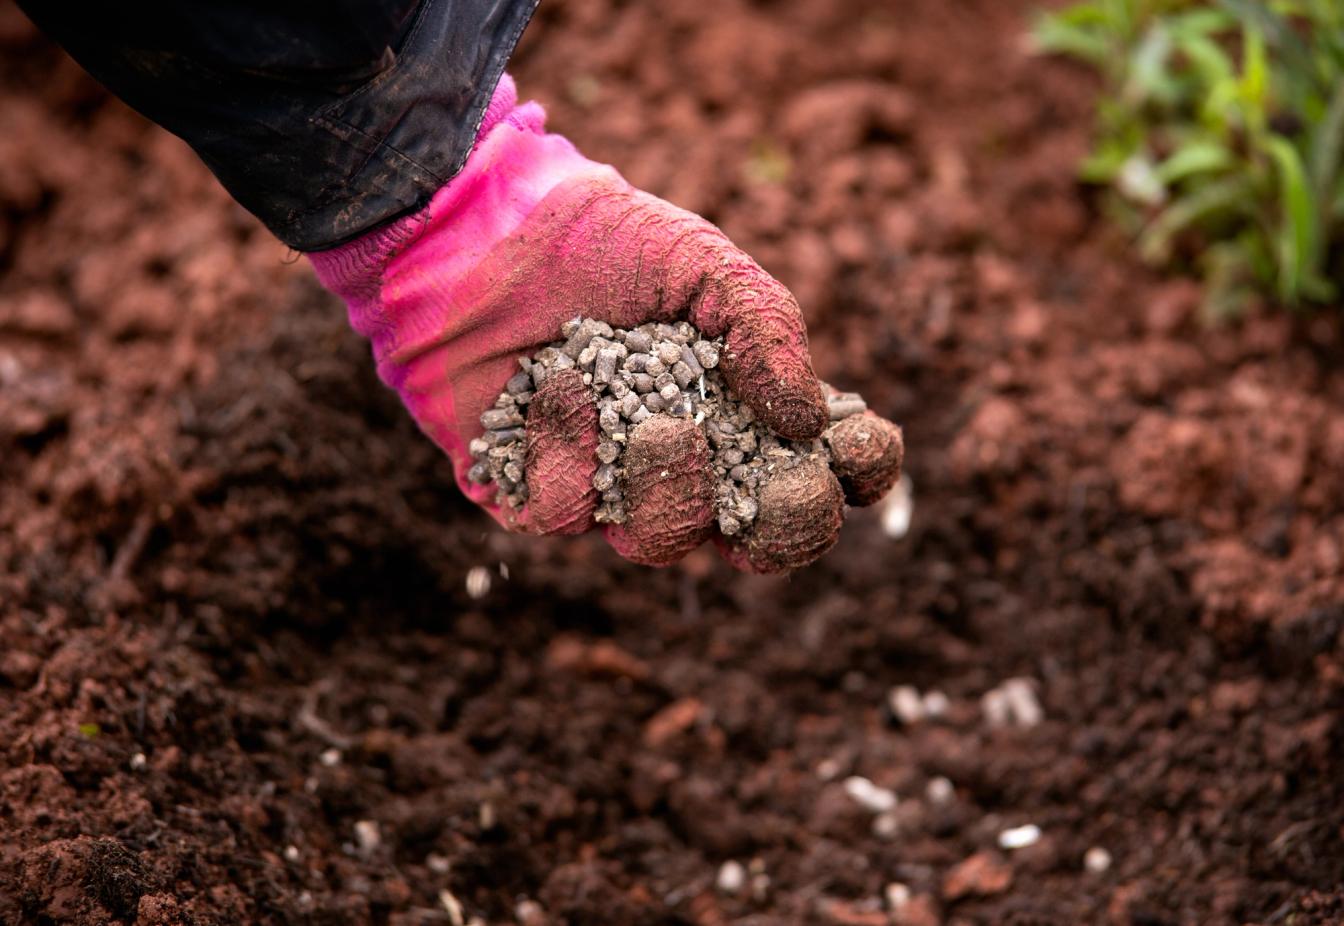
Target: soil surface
point(242, 679)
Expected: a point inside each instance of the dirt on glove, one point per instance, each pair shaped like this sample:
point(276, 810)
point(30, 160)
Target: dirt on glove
point(260, 663)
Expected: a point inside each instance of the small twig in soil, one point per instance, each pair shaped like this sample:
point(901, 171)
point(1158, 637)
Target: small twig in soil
point(308, 719)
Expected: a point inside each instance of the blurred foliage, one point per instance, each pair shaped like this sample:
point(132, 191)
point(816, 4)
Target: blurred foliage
point(1220, 129)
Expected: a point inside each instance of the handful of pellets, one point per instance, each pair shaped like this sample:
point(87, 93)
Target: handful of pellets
point(635, 374)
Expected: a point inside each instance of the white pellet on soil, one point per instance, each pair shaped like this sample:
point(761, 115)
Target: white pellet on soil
point(732, 878)
point(1022, 702)
point(906, 704)
point(1013, 702)
point(367, 836)
point(478, 582)
point(898, 508)
point(529, 913)
point(1096, 860)
point(871, 797)
point(655, 369)
point(1019, 837)
point(939, 790)
point(936, 704)
point(897, 896)
point(453, 907)
point(886, 826)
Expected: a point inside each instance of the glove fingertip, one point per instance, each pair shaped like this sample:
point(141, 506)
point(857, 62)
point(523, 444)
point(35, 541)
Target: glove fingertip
point(561, 457)
point(867, 452)
point(801, 510)
point(669, 492)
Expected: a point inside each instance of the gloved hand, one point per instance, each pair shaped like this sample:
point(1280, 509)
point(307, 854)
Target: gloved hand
point(531, 234)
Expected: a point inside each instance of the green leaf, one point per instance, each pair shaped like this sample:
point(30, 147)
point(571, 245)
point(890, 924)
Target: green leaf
point(1254, 81)
point(1327, 147)
point(1202, 21)
point(1297, 233)
point(1207, 58)
point(1149, 77)
point(1191, 159)
point(90, 729)
point(1055, 35)
point(1259, 18)
point(1230, 195)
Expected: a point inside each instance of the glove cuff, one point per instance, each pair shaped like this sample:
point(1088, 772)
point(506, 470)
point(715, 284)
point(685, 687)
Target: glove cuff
point(381, 275)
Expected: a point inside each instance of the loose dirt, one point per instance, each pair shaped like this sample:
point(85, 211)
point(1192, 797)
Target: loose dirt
point(242, 679)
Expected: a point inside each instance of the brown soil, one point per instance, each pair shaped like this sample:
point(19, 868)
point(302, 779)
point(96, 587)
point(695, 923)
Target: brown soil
point(233, 617)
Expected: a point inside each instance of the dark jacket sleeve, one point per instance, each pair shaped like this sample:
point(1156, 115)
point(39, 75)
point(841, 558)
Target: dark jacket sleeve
point(324, 119)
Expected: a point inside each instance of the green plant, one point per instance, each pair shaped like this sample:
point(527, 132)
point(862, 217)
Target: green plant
point(1221, 129)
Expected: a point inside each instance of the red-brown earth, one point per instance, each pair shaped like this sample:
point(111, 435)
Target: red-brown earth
point(241, 679)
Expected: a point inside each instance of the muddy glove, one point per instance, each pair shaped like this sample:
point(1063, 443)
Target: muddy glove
point(531, 234)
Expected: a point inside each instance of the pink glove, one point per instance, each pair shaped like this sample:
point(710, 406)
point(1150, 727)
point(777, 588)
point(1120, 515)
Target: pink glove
point(531, 234)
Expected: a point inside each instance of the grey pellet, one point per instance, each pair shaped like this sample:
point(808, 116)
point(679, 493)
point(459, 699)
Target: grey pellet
point(583, 335)
point(663, 380)
point(669, 352)
point(518, 382)
point(653, 366)
point(635, 363)
point(605, 366)
point(643, 383)
point(604, 478)
point(846, 407)
point(479, 473)
point(609, 420)
point(640, 414)
point(728, 525)
point(504, 436)
point(738, 473)
point(608, 451)
point(706, 353)
point(683, 375)
point(514, 471)
point(669, 392)
point(638, 341)
point(630, 404)
point(688, 358)
point(495, 418)
point(524, 397)
point(478, 446)
point(653, 402)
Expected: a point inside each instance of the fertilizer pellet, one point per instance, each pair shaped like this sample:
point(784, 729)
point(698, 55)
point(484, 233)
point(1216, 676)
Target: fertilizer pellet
point(634, 374)
point(1096, 860)
point(1020, 837)
point(871, 797)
